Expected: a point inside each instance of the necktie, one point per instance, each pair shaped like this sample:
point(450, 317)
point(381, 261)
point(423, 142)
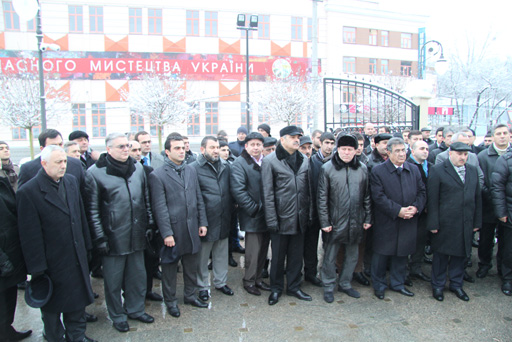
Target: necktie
point(399, 171)
point(462, 174)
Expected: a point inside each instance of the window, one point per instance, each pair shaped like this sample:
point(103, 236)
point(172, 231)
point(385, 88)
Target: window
point(372, 39)
point(192, 23)
point(12, 21)
point(296, 28)
point(405, 68)
point(373, 66)
point(349, 95)
point(263, 116)
point(384, 66)
point(154, 21)
point(78, 111)
point(264, 26)
point(384, 38)
point(212, 117)
point(99, 127)
point(76, 19)
point(349, 64)
point(19, 133)
point(244, 32)
point(31, 25)
point(349, 35)
point(310, 29)
point(406, 41)
point(153, 129)
point(135, 20)
point(211, 24)
point(136, 123)
point(95, 19)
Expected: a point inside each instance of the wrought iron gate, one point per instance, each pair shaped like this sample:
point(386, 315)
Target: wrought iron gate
point(350, 104)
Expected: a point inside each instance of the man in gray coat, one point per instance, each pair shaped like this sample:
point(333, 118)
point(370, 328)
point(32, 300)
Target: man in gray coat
point(284, 175)
point(180, 215)
point(119, 213)
point(213, 174)
point(246, 190)
point(344, 211)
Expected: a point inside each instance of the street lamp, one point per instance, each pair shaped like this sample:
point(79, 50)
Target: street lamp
point(435, 48)
point(253, 26)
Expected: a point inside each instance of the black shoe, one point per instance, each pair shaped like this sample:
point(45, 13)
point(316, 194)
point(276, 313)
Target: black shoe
point(232, 262)
point(350, 292)
point(427, 260)
point(379, 294)
point(252, 289)
point(329, 297)
point(203, 295)
point(263, 286)
point(90, 318)
point(482, 271)
point(238, 249)
point(468, 264)
point(158, 275)
point(300, 295)
point(314, 280)
point(506, 288)
point(405, 292)
point(226, 290)
point(421, 276)
point(361, 279)
point(460, 294)
point(155, 297)
point(197, 303)
point(174, 311)
point(273, 298)
point(265, 274)
point(428, 250)
point(468, 278)
point(438, 294)
point(144, 318)
point(122, 326)
point(210, 266)
point(96, 296)
point(18, 335)
point(408, 281)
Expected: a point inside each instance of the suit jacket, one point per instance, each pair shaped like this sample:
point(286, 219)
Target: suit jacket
point(390, 192)
point(454, 208)
point(55, 239)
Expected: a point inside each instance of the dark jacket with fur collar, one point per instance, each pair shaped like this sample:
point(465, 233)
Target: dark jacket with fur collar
point(285, 192)
point(246, 190)
point(344, 200)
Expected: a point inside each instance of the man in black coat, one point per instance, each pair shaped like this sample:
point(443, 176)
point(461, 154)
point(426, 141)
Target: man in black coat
point(487, 160)
point(12, 265)
point(55, 240)
point(87, 157)
point(246, 190)
point(284, 175)
point(51, 137)
point(213, 174)
point(453, 185)
point(180, 215)
point(398, 195)
point(237, 146)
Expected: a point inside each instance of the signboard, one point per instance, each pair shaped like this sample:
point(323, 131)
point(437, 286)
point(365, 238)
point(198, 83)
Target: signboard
point(440, 110)
point(116, 65)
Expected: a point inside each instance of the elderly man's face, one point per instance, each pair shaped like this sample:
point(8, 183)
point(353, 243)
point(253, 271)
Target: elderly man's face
point(307, 149)
point(458, 158)
point(73, 151)
point(269, 149)
point(83, 142)
point(381, 147)
point(397, 154)
point(290, 142)
point(120, 149)
point(55, 167)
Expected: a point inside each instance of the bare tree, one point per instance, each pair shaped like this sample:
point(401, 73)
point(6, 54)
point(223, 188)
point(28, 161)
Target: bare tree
point(161, 99)
point(20, 103)
point(287, 100)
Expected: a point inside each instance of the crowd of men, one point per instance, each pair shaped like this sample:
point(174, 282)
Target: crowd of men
point(371, 203)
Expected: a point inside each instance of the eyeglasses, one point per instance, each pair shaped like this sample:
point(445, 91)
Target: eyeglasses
point(123, 147)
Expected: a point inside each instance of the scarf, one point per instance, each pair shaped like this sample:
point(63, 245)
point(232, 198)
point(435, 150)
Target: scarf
point(120, 169)
point(177, 168)
point(11, 174)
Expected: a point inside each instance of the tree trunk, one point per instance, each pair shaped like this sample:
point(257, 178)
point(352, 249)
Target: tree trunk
point(159, 128)
point(31, 142)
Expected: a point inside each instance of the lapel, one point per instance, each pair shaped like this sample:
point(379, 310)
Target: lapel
point(174, 176)
point(451, 171)
point(50, 195)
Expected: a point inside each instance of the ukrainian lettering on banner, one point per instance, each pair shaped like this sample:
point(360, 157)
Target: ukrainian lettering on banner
point(114, 65)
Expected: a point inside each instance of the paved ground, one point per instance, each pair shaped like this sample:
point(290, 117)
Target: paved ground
point(243, 317)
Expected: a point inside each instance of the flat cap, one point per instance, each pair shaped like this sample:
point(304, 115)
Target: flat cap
point(382, 136)
point(290, 130)
point(254, 135)
point(347, 140)
point(305, 139)
point(460, 147)
point(426, 129)
point(269, 141)
point(77, 135)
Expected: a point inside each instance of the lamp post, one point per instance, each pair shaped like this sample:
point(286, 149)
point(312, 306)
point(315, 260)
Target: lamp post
point(435, 48)
point(253, 26)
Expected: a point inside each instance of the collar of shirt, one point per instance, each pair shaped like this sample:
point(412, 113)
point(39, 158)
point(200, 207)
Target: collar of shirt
point(258, 161)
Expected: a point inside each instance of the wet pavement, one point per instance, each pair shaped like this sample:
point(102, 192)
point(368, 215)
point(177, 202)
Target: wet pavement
point(244, 317)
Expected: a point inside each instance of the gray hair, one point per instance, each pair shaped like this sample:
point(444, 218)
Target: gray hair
point(394, 141)
point(69, 144)
point(113, 136)
point(448, 130)
point(457, 135)
point(48, 150)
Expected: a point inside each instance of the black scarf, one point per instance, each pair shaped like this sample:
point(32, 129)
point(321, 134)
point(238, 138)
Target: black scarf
point(178, 168)
point(11, 174)
point(120, 169)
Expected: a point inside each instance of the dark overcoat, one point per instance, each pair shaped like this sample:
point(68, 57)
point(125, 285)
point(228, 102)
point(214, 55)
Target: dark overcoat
point(55, 239)
point(178, 208)
point(217, 198)
point(10, 247)
point(248, 194)
point(454, 208)
point(390, 192)
point(30, 169)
